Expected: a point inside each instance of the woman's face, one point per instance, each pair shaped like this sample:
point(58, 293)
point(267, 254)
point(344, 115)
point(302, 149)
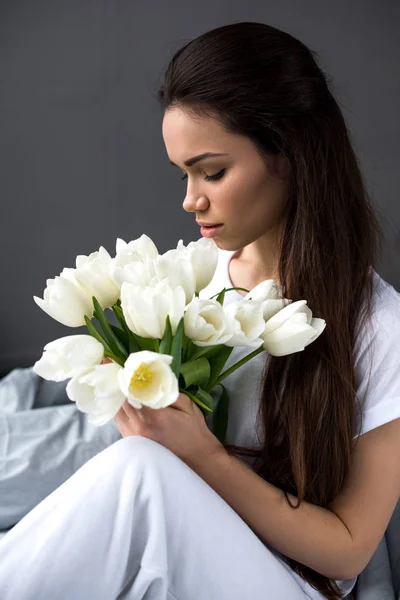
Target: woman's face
point(247, 197)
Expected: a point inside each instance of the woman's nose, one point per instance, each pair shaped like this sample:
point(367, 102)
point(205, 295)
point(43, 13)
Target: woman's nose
point(195, 203)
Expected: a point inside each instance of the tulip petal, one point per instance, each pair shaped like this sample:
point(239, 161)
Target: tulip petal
point(96, 391)
point(288, 338)
point(286, 313)
point(147, 379)
point(68, 356)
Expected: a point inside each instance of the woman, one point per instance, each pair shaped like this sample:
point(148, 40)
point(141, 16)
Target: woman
point(168, 512)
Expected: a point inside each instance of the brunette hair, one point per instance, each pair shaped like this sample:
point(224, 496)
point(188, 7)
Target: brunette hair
point(261, 82)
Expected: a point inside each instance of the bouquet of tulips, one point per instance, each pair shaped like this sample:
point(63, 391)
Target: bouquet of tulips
point(168, 339)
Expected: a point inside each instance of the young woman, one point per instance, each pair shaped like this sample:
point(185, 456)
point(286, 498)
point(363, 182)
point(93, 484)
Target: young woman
point(167, 511)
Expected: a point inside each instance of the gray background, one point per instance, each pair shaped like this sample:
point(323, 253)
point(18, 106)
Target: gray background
point(82, 159)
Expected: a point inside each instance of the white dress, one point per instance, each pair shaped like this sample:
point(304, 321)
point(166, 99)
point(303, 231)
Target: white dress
point(135, 522)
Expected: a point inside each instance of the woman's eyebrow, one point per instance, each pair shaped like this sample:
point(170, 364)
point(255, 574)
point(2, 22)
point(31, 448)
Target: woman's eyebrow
point(191, 161)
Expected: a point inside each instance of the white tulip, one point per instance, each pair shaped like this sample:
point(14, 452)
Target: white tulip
point(291, 329)
point(265, 290)
point(206, 323)
point(146, 308)
point(271, 295)
point(68, 356)
point(96, 391)
point(148, 380)
point(247, 322)
point(177, 268)
point(133, 262)
point(271, 306)
point(140, 271)
point(66, 300)
point(93, 273)
point(141, 247)
point(203, 255)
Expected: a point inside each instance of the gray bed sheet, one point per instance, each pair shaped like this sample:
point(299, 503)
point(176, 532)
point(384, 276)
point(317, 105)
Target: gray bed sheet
point(44, 439)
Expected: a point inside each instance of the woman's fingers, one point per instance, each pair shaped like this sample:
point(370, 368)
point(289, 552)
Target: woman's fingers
point(106, 360)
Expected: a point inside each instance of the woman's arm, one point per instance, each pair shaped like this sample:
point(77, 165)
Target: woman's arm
point(337, 542)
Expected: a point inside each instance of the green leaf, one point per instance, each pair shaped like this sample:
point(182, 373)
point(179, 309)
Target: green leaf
point(185, 339)
point(116, 347)
point(133, 343)
point(220, 416)
point(117, 359)
point(188, 350)
point(121, 335)
point(176, 349)
point(96, 334)
point(136, 342)
point(186, 347)
point(120, 317)
point(145, 343)
point(221, 296)
point(107, 351)
point(205, 398)
point(165, 345)
point(217, 364)
point(198, 402)
point(207, 351)
point(196, 372)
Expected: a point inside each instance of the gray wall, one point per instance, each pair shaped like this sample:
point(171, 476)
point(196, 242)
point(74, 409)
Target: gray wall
point(82, 159)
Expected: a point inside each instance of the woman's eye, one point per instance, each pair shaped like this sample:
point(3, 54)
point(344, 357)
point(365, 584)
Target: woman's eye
point(210, 177)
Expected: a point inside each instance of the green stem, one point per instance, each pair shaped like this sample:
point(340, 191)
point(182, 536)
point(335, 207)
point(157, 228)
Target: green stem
point(231, 288)
point(239, 364)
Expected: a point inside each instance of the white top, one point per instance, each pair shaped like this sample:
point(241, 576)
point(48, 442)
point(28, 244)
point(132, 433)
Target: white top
point(380, 399)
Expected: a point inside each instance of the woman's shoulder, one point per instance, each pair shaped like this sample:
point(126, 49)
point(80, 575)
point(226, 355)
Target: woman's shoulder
point(386, 298)
point(384, 325)
point(377, 357)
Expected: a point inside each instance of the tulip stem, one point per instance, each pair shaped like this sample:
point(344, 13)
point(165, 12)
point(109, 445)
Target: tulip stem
point(239, 364)
point(231, 288)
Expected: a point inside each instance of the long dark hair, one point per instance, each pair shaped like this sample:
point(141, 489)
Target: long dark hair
point(265, 84)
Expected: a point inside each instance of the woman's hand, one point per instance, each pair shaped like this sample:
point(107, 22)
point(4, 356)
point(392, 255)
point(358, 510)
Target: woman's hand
point(180, 427)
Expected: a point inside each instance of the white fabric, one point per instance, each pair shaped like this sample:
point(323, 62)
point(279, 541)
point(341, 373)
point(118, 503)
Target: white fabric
point(135, 522)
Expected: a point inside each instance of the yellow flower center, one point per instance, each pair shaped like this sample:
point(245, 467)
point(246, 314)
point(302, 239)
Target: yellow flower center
point(142, 377)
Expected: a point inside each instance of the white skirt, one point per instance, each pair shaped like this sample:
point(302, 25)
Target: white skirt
point(135, 522)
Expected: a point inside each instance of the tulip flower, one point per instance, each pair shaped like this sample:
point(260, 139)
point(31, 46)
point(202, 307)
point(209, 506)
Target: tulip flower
point(133, 262)
point(141, 247)
point(247, 323)
point(206, 323)
point(68, 356)
point(93, 273)
point(147, 379)
point(270, 295)
point(291, 329)
point(66, 300)
point(265, 290)
point(203, 256)
point(176, 267)
point(146, 308)
point(96, 391)
point(140, 271)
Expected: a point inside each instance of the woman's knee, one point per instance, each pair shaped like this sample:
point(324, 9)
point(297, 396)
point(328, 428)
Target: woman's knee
point(137, 450)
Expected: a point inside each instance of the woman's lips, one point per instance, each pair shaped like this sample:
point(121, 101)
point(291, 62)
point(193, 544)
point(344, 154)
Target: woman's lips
point(210, 231)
